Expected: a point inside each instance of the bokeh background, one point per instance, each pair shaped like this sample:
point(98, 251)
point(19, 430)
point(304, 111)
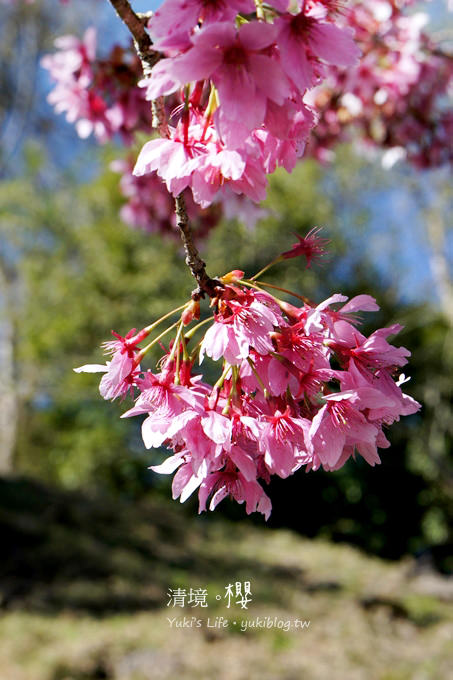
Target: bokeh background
point(91, 541)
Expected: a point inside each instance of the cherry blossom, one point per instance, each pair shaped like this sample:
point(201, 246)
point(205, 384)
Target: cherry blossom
point(310, 73)
point(234, 91)
point(298, 387)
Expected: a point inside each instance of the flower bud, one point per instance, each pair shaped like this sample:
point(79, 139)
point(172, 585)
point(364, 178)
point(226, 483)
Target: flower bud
point(191, 312)
point(290, 310)
point(232, 277)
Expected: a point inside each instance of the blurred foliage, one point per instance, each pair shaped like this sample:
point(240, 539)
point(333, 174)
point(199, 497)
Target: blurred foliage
point(80, 273)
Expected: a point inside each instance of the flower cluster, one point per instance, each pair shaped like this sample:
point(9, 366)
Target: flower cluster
point(298, 386)
point(224, 142)
point(98, 95)
point(248, 87)
point(396, 97)
point(235, 89)
point(150, 207)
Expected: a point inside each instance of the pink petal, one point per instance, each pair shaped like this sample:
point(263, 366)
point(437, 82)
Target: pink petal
point(214, 341)
point(363, 303)
point(230, 163)
point(248, 110)
point(169, 465)
point(333, 44)
point(256, 35)
point(326, 441)
point(91, 368)
point(162, 81)
point(216, 427)
point(219, 495)
point(369, 452)
point(220, 34)
point(264, 506)
point(197, 63)
point(294, 59)
point(244, 462)
point(185, 482)
point(154, 430)
point(269, 76)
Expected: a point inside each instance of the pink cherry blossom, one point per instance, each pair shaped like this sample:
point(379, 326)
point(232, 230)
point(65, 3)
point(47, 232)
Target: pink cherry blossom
point(235, 60)
point(121, 373)
point(231, 482)
point(98, 96)
point(303, 39)
point(194, 157)
point(373, 352)
point(279, 404)
point(244, 320)
point(338, 423)
point(282, 440)
point(174, 21)
point(296, 386)
point(312, 246)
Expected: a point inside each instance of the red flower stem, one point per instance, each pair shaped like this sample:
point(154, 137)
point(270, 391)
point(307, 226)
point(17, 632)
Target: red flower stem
point(178, 354)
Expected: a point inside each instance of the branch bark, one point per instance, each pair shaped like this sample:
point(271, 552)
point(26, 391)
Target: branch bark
point(193, 260)
point(136, 25)
point(149, 57)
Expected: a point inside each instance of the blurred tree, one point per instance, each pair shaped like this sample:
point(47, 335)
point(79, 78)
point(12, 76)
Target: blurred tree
point(77, 272)
point(23, 33)
point(8, 396)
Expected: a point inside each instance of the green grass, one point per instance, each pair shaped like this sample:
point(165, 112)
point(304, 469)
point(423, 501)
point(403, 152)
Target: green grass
point(84, 597)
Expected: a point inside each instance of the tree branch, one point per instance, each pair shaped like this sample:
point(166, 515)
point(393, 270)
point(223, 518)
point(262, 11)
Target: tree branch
point(159, 116)
point(136, 25)
point(193, 260)
point(149, 57)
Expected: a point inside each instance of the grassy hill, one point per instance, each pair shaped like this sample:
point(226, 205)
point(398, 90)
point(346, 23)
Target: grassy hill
point(84, 590)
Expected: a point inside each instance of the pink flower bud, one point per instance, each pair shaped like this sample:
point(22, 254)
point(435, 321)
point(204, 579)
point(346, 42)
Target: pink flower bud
point(191, 312)
point(233, 276)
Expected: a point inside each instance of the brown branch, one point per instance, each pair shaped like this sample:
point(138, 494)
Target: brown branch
point(136, 25)
point(439, 52)
point(211, 287)
point(159, 116)
point(149, 57)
